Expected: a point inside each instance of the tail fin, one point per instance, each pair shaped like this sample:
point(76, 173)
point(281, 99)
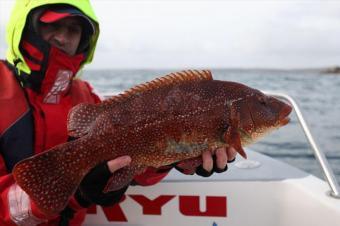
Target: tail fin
point(52, 177)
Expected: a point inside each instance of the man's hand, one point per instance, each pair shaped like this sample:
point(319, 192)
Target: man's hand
point(91, 188)
point(212, 161)
point(120, 162)
point(223, 157)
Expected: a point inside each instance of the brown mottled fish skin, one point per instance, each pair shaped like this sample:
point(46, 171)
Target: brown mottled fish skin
point(173, 118)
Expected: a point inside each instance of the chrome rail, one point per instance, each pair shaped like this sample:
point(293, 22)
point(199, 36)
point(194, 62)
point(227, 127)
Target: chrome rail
point(319, 155)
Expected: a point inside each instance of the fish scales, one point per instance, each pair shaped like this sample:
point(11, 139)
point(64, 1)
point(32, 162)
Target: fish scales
point(167, 120)
point(170, 119)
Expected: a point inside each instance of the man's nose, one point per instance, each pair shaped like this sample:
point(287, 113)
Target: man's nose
point(61, 36)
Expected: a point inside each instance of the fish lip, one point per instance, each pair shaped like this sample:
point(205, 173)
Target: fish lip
point(284, 119)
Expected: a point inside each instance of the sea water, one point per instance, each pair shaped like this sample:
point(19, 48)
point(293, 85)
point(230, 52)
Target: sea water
point(317, 94)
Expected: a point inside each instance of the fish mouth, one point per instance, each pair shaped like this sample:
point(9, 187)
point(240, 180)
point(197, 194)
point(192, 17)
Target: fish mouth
point(284, 116)
point(284, 121)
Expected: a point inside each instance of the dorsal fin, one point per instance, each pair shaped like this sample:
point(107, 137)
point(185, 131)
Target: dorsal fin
point(81, 118)
point(167, 80)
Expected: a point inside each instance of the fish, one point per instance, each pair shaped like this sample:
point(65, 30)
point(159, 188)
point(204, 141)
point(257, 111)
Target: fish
point(171, 119)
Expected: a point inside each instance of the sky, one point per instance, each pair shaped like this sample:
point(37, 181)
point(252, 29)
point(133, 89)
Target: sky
point(212, 34)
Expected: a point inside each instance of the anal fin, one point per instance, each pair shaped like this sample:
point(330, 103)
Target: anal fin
point(122, 177)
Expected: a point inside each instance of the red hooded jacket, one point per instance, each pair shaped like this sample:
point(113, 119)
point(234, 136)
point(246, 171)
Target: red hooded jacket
point(30, 125)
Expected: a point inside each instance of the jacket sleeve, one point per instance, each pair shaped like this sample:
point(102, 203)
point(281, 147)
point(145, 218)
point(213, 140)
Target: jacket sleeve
point(151, 176)
point(16, 208)
point(96, 98)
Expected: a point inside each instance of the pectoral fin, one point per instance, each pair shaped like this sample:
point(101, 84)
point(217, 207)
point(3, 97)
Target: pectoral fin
point(232, 136)
point(122, 177)
point(81, 119)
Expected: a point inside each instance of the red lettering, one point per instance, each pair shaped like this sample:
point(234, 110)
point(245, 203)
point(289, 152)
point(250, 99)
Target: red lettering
point(115, 213)
point(215, 206)
point(152, 207)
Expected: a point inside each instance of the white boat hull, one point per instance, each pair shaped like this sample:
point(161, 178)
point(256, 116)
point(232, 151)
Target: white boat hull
point(273, 194)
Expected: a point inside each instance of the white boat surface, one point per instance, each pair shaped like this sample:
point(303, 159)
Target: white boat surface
point(259, 191)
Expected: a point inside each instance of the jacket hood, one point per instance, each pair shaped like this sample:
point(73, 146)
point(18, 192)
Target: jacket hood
point(17, 23)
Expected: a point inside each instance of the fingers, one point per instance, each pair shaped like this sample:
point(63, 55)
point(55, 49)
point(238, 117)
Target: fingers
point(117, 163)
point(221, 158)
point(231, 153)
point(208, 162)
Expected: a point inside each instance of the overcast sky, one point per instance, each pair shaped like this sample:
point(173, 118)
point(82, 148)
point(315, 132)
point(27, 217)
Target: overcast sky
point(191, 33)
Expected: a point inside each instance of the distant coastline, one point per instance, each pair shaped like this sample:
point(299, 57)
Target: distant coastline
point(332, 70)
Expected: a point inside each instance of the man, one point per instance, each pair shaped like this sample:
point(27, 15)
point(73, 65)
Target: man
point(48, 44)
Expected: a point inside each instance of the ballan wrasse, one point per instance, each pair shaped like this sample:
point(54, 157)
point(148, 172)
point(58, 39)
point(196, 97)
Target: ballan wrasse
point(173, 118)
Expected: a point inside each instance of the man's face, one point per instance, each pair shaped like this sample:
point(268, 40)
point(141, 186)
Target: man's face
point(64, 34)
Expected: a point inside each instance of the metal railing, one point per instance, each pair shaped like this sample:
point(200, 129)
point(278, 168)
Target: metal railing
point(319, 155)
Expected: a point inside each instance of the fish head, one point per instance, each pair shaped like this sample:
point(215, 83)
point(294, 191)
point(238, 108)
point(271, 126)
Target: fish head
point(257, 114)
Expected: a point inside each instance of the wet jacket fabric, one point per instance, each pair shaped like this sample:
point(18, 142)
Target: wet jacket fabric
point(29, 124)
point(27, 127)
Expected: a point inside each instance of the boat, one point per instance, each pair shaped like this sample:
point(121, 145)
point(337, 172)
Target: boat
point(259, 191)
